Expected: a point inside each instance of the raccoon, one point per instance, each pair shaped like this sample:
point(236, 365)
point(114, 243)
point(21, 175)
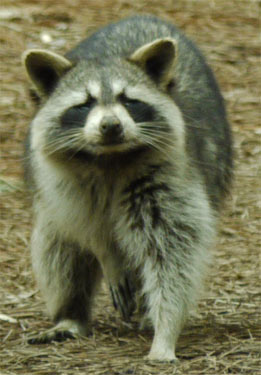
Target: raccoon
point(128, 159)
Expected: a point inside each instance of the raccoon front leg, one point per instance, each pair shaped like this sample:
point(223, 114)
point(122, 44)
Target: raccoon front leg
point(67, 277)
point(166, 308)
point(171, 280)
point(167, 237)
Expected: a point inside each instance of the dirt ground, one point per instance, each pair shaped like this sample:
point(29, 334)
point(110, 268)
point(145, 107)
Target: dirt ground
point(223, 337)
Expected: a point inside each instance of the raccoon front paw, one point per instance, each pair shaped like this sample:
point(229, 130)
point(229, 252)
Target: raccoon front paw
point(64, 330)
point(123, 297)
point(162, 358)
point(161, 352)
point(47, 337)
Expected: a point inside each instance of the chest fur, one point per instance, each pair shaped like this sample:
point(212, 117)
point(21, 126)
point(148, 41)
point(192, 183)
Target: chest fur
point(87, 210)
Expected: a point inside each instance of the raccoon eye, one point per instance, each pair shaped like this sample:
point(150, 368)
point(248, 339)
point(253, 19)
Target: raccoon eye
point(138, 110)
point(75, 117)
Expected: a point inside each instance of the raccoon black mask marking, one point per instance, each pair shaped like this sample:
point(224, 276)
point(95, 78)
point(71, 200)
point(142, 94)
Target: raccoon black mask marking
point(139, 111)
point(75, 117)
point(129, 159)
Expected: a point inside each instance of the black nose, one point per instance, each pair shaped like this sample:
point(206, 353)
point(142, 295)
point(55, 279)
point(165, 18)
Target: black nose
point(111, 129)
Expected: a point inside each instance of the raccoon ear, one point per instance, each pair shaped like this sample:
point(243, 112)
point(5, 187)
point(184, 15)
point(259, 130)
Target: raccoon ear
point(157, 59)
point(44, 68)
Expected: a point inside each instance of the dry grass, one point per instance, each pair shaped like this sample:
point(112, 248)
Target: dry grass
point(223, 337)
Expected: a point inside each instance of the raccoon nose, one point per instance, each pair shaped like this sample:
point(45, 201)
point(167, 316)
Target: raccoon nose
point(111, 127)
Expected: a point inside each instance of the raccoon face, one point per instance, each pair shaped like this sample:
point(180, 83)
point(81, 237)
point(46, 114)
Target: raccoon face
point(106, 108)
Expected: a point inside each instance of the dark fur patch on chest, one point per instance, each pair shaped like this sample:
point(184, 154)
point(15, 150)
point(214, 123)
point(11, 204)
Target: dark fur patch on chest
point(141, 198)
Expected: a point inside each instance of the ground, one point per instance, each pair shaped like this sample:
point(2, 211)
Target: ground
point(222, 336)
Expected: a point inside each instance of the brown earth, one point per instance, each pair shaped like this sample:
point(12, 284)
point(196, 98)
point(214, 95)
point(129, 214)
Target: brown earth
point(224, 336)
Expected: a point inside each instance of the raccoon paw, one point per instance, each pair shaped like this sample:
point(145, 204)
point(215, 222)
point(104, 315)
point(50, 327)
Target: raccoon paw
point(162, 359)
point(123, 297)
point(47, 337)
point(62, 331)
point(162, 356)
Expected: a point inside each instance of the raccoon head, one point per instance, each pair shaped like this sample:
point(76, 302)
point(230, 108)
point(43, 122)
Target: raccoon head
point(106, 107)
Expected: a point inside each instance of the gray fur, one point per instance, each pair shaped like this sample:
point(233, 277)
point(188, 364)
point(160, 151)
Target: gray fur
point(140, 203)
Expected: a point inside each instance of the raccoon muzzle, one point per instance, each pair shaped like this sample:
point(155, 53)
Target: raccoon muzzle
point(111, 130)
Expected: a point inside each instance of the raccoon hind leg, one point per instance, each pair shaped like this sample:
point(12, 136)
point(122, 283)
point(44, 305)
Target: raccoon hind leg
point(123, 296)
point(120, 280)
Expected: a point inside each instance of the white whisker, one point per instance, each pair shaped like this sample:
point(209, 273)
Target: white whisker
point(70, 140)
